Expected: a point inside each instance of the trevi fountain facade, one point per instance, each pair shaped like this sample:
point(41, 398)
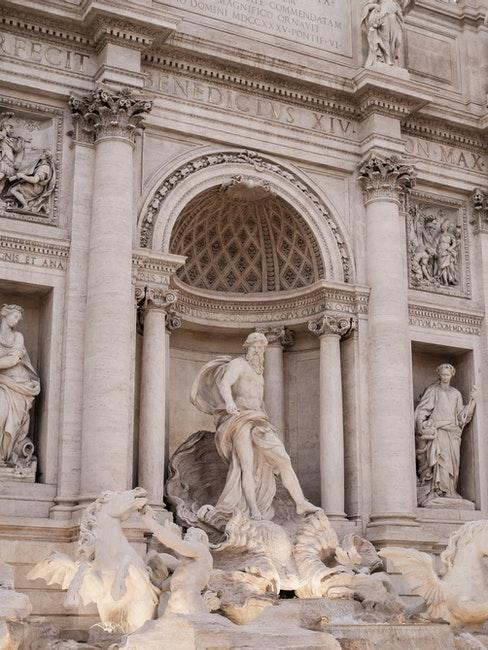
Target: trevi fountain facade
point(243, 324)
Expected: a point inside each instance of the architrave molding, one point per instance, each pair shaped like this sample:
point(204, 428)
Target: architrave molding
point(272, 309)
point(448, 320)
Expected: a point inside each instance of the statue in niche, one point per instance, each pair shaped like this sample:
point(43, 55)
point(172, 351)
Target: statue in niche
point(19, 385)
point(232, 391)
point(440, 418)
point(12, 148)
point(383, 20)
point(434, 250)
point(32, 188)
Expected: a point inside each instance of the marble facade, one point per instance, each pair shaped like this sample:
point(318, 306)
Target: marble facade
point(177, 174)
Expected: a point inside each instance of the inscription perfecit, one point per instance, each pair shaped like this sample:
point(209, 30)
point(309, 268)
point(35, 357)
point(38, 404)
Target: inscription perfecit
point(324, 24)
point(43, 53)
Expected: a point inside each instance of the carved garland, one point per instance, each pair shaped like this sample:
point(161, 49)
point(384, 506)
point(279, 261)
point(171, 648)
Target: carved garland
point(244, 157)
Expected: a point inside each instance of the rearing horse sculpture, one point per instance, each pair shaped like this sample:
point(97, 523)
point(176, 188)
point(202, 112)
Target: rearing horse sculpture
point(459, 595)
point(107, 570)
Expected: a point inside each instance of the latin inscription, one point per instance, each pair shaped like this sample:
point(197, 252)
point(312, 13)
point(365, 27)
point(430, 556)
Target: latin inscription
point(53, 56)
point(250, 105)
point(324, 24)
point(446, 155)
point(15, 257)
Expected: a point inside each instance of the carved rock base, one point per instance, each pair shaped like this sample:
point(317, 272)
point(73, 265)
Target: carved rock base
point(305, 624)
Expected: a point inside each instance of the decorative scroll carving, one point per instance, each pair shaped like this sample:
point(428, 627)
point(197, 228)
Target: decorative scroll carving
point(164, 300)
point(27, 170)
point(480, 210)
point(337, 325)
point(264, 246)
point(385, 177)
point(260, 163)
point(281, 335)
point(437, 247)
point(384, 23)
point(109, 113)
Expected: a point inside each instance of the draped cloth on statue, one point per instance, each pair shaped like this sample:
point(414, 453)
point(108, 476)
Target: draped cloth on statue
point(441, 411)
point(205, 395)
point(18, 387)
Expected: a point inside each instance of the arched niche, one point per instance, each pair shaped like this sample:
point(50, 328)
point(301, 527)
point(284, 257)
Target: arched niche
point(193, 175)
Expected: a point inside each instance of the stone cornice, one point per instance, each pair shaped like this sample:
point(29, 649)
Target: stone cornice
point(92, 22)
point(268, 309)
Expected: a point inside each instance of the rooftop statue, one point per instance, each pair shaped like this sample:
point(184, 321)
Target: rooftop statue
point(383, 20)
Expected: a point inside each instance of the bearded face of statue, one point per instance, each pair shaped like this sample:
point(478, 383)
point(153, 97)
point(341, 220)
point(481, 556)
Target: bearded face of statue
point(255, 358)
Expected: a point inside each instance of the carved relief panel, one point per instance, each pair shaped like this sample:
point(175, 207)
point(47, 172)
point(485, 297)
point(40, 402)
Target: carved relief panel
point(30, 149)
point(438, 253)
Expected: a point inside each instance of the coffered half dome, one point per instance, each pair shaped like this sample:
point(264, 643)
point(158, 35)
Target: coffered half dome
point(241, 237)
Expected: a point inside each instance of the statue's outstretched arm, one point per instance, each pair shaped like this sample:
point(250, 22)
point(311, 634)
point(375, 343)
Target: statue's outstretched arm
point(166, 536)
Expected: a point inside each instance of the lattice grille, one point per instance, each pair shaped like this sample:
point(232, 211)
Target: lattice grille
point(245, 246)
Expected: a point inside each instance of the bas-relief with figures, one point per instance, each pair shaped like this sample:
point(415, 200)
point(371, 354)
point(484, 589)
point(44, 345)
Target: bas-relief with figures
point(243, 289)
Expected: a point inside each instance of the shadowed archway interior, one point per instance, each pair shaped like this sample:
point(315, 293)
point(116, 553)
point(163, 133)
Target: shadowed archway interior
point(243, 238)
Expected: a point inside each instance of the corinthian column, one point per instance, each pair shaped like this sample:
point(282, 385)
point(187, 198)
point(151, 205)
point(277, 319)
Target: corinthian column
point(112, 118)
point(330, 329)
point(385, 180)
point(274, 375)
point(159, 319)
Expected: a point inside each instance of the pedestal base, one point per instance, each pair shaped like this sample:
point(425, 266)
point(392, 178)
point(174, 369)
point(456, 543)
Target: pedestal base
point(450, 504)
point(21, 474)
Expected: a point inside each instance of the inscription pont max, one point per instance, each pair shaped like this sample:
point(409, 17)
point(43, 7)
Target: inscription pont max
point(324, 24)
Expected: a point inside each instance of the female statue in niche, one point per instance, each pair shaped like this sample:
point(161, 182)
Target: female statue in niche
point(19, 384)
point(440, 418)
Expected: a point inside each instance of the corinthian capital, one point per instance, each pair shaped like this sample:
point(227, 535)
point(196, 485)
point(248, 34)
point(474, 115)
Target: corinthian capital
point(341, 326)
point(280, 335)
point(109, 113)
point(385, 177)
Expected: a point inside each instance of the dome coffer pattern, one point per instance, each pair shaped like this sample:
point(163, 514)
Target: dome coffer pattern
point(245, 246)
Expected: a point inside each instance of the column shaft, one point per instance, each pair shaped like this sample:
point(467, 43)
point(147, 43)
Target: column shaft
point(106, 418)
point(391, 410)
point(331, 427)
point(152, 423)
